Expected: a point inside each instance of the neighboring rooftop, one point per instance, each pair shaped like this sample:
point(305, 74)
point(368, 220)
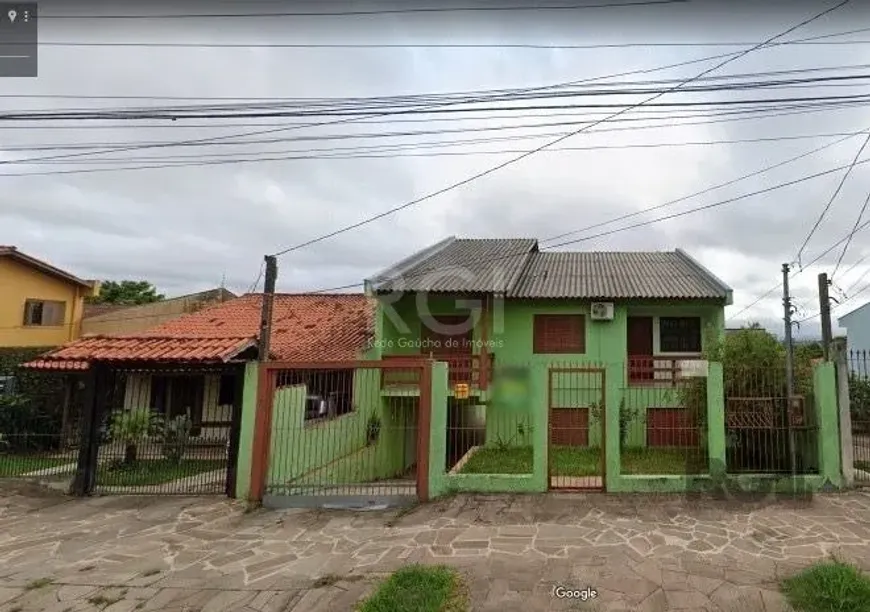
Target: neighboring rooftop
point(45, 267)
point(459, 264)
point(98, 311)
point(519, 269)
point(309, 327)
point(843, 320)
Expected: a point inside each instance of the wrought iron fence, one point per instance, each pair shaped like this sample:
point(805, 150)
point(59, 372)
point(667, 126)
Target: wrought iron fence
point(39, 415)
point(766, 430)
point(167, 430)
point(859, 402)
point(663, 426)
point(576, 408)
point(344, 431)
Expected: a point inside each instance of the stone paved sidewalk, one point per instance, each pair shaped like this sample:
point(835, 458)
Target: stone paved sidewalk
point(122, 554)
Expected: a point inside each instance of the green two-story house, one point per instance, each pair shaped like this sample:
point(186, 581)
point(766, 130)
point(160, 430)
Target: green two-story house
point(486, 306)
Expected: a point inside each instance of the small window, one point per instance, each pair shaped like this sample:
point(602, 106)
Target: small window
point(559, 334)
point(227, 390)
point(680, 334)
point(329, 393)
point(44, 313)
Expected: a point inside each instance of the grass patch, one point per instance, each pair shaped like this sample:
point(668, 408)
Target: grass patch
point(585, 461)
point(421, 588)
point(39, 583)
point(154, 472)
point(495, 460)
point(831, 586)
point(663, 461)
point(16, 465)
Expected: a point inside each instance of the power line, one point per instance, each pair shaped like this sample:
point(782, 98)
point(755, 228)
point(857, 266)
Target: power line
point(137, 115)
point(822, 39)
point(705, 191)
point(613, 84)
point(819, 257)
point(852, 233)
point(430, 149)
point(351, 13)
point(360, 104)
point(382, 114)
point(729, 116)
point(832, 198)
point(549, 144)
point(668, 217)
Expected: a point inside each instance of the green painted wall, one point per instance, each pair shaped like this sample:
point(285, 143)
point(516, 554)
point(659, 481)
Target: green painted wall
point(246, 431)
point(338, 451)
point(510, 338)
point(825, 395)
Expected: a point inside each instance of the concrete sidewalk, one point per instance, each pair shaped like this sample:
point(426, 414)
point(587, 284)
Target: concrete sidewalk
point(206, 554)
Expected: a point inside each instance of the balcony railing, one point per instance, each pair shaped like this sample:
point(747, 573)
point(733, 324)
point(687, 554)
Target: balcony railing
point(656, 369)
point(460, 369)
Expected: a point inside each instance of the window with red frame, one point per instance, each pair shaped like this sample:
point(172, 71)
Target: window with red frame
point(559, 334)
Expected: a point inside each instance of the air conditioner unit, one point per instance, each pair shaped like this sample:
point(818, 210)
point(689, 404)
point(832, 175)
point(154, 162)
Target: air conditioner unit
point(602, 311)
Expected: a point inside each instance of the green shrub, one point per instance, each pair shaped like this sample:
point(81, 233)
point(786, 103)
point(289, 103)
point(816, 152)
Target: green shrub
point(131, 427)
point(24, 427)
point(176, 438)
point(859, 398)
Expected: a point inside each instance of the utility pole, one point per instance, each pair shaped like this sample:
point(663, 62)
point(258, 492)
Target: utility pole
point(825, 312)
point(268, 303)
point(789, 364)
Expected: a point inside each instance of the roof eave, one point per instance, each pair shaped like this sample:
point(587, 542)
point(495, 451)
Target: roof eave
point(727, 291)
point(374, 283)
point(50, 269)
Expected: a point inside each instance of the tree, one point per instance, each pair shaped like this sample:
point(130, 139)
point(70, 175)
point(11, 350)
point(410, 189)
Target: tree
point(127, 293)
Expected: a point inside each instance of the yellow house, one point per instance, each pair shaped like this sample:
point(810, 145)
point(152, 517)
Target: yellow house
point(40, 305)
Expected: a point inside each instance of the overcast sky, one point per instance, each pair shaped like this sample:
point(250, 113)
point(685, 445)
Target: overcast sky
point(186, 228)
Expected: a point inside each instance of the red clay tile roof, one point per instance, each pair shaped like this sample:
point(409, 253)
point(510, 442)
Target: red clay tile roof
point(304, 327)
point(311, 327)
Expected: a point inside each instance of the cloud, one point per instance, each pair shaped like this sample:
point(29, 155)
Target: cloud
point(186, 228)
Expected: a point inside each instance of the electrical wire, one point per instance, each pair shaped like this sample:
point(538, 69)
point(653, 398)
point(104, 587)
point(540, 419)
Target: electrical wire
point(852, 233)
point(813, 40)
point(411, 150)
point(514, 160)
point(356, 13)
point(612, 84)
point(831, 200)
point(711, 118)
point(705, 191)
point(664, 218)
point(375, 115)
point(174, 115)
point(799, 271)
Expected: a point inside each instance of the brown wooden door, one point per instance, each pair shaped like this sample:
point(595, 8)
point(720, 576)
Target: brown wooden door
point(640, 348)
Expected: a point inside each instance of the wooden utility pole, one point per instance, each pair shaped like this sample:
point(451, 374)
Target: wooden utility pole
point(789, 365)
point(268, 304)
point(825, 313)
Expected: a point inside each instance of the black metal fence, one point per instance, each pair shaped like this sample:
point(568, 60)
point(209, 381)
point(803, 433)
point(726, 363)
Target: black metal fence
point(766, 429)
point(344, 434)
point(39, 423)
point(132, 431)
point(165, 431)
point(858, 363)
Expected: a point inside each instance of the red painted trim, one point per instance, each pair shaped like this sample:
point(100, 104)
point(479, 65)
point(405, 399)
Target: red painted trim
point(424, 425)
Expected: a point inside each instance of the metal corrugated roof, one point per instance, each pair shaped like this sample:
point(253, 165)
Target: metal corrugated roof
point(465, 265)
point(617, 275)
